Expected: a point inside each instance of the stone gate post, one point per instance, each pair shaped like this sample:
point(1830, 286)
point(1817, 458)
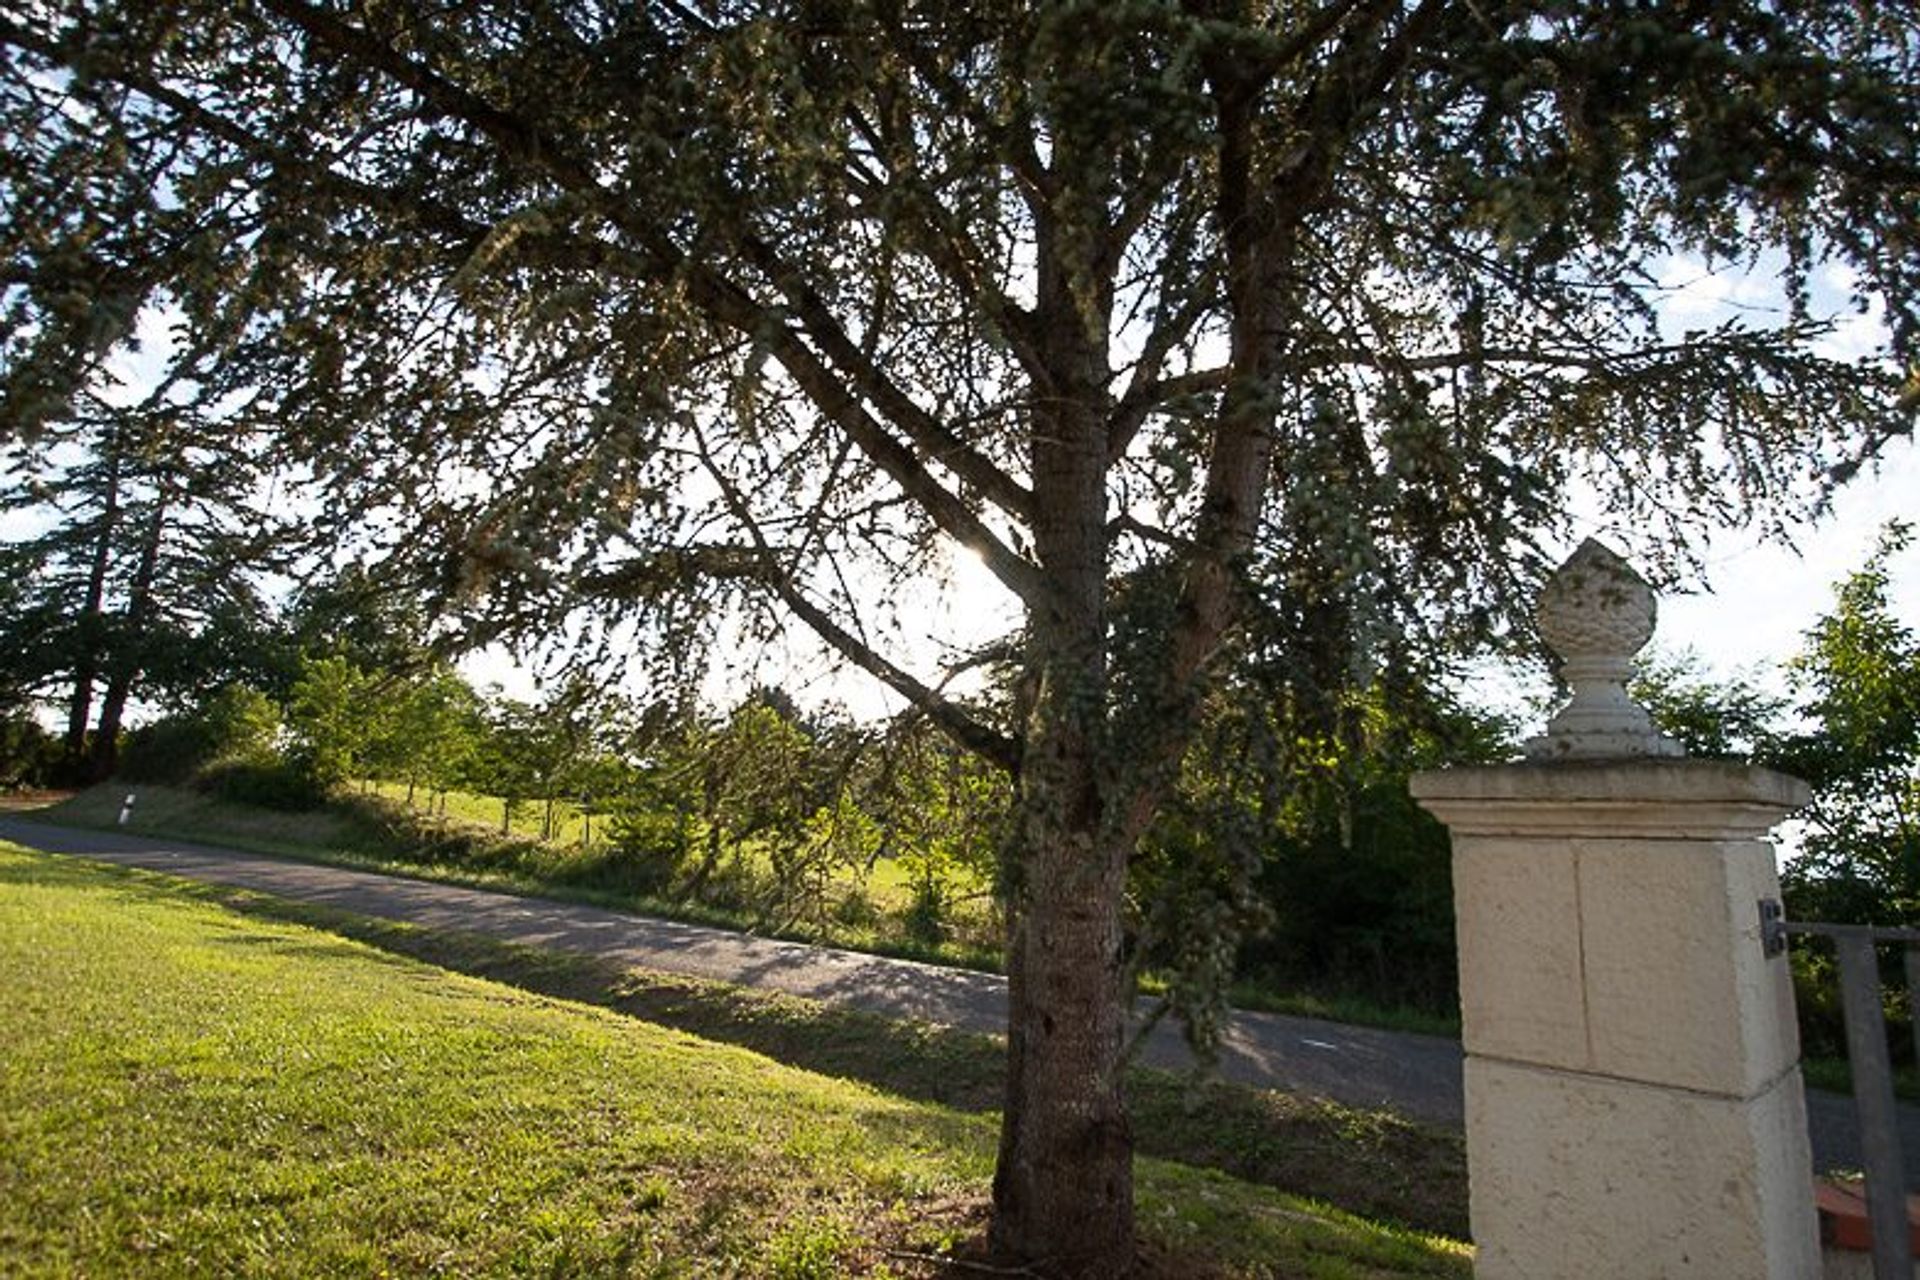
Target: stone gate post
point(1633, 1095)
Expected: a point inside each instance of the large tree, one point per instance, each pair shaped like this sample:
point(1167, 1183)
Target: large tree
point(138, 577)
point(616, 310)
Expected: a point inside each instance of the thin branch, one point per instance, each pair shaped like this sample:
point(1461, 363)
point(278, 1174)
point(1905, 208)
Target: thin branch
point(963, 728)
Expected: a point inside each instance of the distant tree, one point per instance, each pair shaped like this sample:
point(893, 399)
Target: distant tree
point(745, 779)
point(507, 762)
point(1858, 683)
point(336, 714)
point(1711, 717)
point(139, 573)
point(942, 814)
point(431, 729)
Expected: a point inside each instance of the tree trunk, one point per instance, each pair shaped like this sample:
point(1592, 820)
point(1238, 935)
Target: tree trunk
point(1063, 1187)
point(127, 660)
point(86, 662)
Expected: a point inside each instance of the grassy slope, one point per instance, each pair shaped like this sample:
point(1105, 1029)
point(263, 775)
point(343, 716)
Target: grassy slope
point(188, 1090)
point(360, 833)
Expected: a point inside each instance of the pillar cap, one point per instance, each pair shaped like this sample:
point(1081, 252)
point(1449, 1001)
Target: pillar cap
point(1681, 798)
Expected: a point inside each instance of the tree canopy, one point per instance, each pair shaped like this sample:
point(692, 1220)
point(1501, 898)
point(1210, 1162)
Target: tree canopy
point(1161, 310)
point(1858, 677)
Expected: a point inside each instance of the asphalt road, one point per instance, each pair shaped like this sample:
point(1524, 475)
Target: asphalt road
point(1414, 1075)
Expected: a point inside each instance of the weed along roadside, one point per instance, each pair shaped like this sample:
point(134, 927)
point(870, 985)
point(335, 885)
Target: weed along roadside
point(300, 1089)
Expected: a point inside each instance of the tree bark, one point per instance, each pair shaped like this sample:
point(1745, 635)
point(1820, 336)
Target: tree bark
point(1063, 1187)
point(127, 661)
point(86, 662)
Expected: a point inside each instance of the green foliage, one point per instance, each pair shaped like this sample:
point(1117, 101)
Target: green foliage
point(138, 575)
point(334, 712)
point(431, 732)
point(29, 754)
point(1711, 717)
point(274, 784)
point(1293, 853)
point(1858, 680)
point(238, 727)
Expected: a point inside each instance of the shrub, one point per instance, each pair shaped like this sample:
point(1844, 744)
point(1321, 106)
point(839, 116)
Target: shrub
point(238, 725)
point(648, 848)
point(29, 754)
point(925, 918)
point(166, 751)
point(272, 784)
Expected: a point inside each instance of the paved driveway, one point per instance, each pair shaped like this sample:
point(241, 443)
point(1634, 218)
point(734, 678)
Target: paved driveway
point(1417, 1076)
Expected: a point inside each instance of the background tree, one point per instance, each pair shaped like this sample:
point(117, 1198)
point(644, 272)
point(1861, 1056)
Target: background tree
point(1732, 717)
point(1157, 308)
point(430, 733)
point(1858, 680)
point(512, 756)
point(139, 580)
point(336, 714)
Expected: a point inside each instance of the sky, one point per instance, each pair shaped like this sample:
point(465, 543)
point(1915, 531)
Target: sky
point(1764, 596)
point(1761, 597)
point(1756, 601)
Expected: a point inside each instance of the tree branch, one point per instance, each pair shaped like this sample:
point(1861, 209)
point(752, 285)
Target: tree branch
point(962, 727)
point(721, 298)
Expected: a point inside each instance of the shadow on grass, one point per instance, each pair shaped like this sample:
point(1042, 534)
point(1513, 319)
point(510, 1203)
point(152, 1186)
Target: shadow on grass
point(1370, 1163)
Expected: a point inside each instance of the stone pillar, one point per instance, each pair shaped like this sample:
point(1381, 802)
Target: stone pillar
point(1634, 1105)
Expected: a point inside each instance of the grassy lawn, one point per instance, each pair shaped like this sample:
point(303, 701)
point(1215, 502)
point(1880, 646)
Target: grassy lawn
point(190, 1089)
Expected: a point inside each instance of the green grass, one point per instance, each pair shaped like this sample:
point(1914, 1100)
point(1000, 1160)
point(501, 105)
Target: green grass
point(485, 811)
point(188, 1089)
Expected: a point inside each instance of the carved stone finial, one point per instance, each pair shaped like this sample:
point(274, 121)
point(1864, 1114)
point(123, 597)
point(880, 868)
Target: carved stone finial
point(1596, 613)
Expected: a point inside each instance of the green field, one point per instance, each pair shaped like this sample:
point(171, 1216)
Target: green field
point(189, 1090)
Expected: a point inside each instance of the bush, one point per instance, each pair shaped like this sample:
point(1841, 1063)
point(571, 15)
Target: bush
point(649, 848)
point(925, 918)
point(273, 784)
point(29, 755)
point(238, 725)
point(169, 751)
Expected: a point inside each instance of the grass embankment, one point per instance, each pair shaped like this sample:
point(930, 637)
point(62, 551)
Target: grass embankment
point(381, 833)
point(190, 1089)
